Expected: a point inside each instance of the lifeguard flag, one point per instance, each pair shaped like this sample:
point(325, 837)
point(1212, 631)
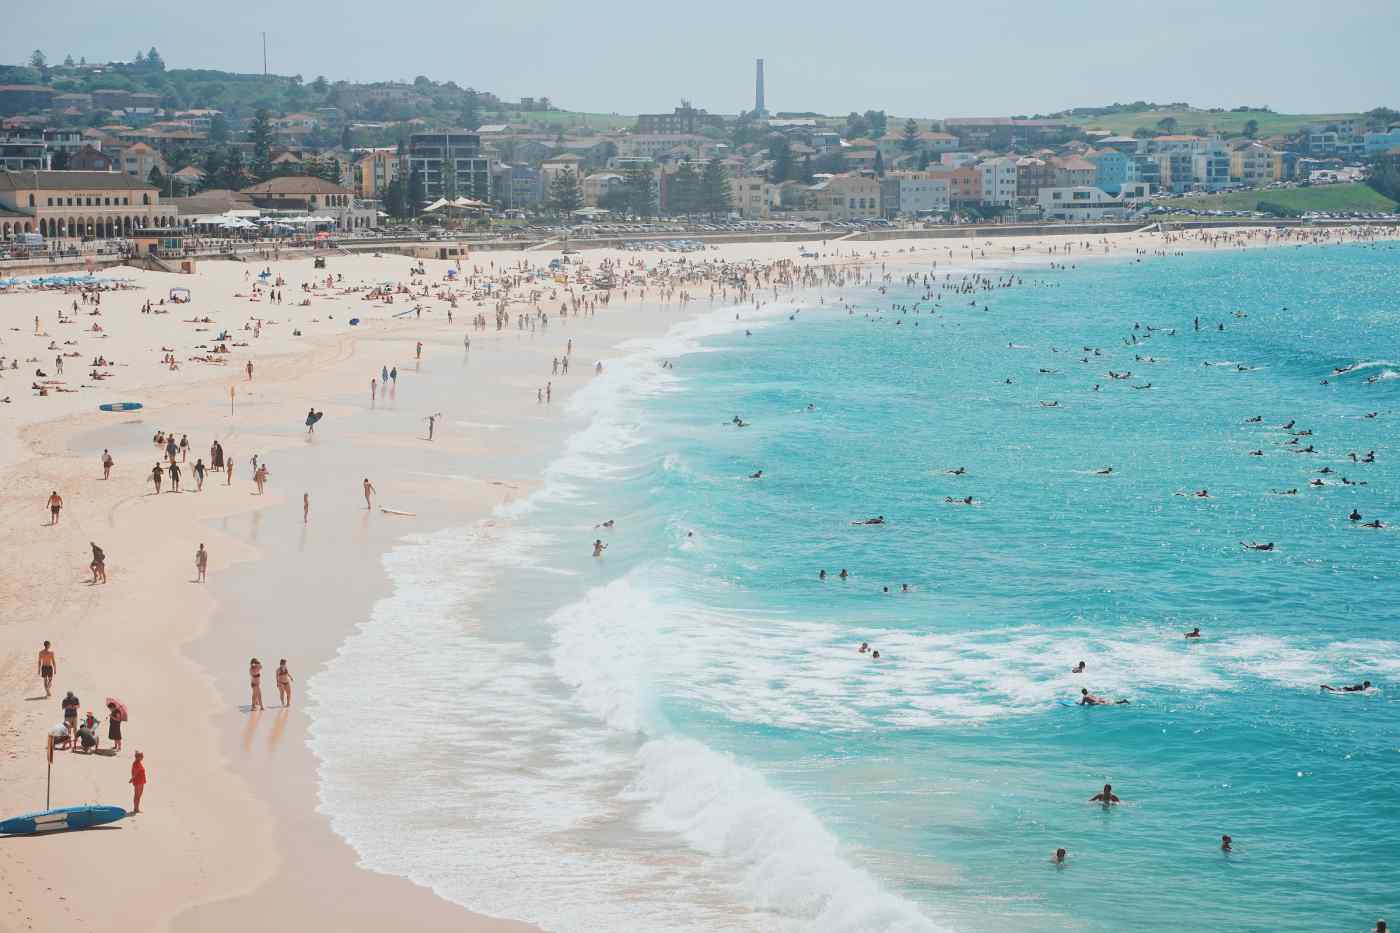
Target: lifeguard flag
point(50, 749)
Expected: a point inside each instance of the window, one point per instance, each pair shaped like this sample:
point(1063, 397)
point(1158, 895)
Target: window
point(31, 200)
point(50, 202)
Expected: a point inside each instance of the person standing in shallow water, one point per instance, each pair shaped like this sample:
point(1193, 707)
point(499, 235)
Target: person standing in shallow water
point(284, 682)
point(255, 678)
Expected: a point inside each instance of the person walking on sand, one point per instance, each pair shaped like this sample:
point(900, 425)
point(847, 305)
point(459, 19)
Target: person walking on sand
point(284, 683)
point(228, 471)
point(250, 370)
point(98, 565)
point(184, 448)
point(255, 675)
point(157, 474)
point(174, 476)
point(260, 477)
point(305, 507)
point(369, 491)
point(48, 666)
point(107, 462)
point(56, 505)
point(432, 423)
point(418, 351)
point(138, 781)
point(201, 564)
point(199, 474)
point(373, 389)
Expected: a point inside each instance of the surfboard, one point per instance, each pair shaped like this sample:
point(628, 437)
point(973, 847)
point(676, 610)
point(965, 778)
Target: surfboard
point(61, 818)
point(120, 406)
point(396, 512)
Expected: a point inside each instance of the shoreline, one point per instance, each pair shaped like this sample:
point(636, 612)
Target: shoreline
point(183, 670)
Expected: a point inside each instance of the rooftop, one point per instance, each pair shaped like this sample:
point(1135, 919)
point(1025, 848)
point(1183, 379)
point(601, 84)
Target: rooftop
point(71, 181)
point(295, 184)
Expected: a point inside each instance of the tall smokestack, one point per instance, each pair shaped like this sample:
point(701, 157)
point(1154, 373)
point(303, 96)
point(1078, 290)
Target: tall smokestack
point(759, 109)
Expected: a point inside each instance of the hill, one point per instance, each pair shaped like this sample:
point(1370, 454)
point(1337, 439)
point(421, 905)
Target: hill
point(1205, 121)
point(1324, 198)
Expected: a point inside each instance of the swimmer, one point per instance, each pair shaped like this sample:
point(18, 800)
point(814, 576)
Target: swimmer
point(607, 524)
point(1104, 472)
point(822, 575)
point(1283, 492)
point(967, 500)
point(1105, 796)
point(1355, 516)
point(1078, 668)
point(1354, 688)
point(1049, 404)
point(1194, 633)
point(1059, 857)
point(843, 574)
point(1225, 842)
point(1256, 453)
point(1256, 546)
point(877, 520)
point(1255, 420)
point(864, 647)
point(599, 547)
point(758, 475)
point(960, 471)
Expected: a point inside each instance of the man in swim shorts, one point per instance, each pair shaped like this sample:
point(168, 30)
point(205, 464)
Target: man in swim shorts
point(48, 666)
point(55, 506)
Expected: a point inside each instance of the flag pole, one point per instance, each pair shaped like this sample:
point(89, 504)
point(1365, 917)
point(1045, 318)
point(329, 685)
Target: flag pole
point(48, 781)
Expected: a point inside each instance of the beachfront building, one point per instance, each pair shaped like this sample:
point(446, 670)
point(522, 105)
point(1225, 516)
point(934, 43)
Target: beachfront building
point(751, 196)
point(1083, 203)
point(1112, 169)
point(998, 181)
point(68, 204)
point(551, 169)
point(374, 171)
point(1074, 172)
point(20, 150)
point(1210, 167)
point(847, 197)
point(516, 186)
point(451, 164)
point(1255, 164)
point(315, 197)
point(913, 194)
point(1032, 174)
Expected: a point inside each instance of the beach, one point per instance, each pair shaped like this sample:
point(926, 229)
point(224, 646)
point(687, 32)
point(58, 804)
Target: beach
point(234, 824)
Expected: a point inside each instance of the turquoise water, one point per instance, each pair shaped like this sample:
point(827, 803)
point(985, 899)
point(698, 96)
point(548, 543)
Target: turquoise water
point(694, 742)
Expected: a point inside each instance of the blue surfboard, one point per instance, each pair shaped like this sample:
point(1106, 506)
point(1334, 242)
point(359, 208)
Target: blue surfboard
point(60, 818)
point(120, 406)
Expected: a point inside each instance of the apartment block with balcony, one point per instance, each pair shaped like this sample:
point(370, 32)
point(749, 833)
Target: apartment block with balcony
point(451, 164)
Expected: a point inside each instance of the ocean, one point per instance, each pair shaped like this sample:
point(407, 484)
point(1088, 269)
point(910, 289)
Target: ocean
point(683, 735)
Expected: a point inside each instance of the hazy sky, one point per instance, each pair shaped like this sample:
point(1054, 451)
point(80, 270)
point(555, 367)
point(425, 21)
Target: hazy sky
point(919, 57)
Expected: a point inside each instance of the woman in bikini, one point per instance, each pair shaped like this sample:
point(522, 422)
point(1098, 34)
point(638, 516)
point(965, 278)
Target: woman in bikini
point(284, 682)
point(255, 675)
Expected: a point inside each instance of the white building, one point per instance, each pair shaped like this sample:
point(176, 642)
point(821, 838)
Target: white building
point(999, 181)
point(1081, 204)
point(913, 194)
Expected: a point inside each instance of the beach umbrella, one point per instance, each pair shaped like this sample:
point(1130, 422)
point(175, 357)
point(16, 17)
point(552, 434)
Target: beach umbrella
point(121, 707)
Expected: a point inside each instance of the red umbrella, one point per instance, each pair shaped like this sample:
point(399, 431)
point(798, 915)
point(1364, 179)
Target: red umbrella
point(121, 707)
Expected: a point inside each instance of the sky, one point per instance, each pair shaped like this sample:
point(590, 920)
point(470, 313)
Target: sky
point(926, 58)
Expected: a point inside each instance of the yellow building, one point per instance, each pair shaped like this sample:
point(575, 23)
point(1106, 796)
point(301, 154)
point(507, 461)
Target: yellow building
point(374, 172)
point(92, 205)
point(1256, 164)
point(848, 197)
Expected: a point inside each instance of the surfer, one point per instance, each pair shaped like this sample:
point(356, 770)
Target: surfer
point(1354, 688)
point(1106, 796)
point(757, 475)
point(1355, 516)
point(369, 493)
point(960, 471)
point(877, 520)
point(1104, 472)
point(1267, 546)
point(1078, 668)
point(48, 666)
point(1373, 524)
point(1194, 633)
point(1088, 699)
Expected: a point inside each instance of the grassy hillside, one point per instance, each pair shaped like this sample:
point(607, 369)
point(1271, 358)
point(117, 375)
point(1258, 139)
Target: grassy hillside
point(1270, 124)
point(1325, 198)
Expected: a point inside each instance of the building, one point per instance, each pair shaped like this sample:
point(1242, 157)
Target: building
point(1081, 203)
point(1032, 174)
point(751, 196)
point(1377, 142)
point(1003, 132)
point(451, 164)
point(1255, 164)
point(25, 98)
point(964, 184)
point(91, 159)
point(65, 140)
point(1074, 172)
point(516, 187)
point(307, 194)
point(999, 181)
point(1111, 169)
point(657, 146)
point(139, 159)
point(914, 194)
point(100, 205)
point(1211, 167)
point(847, 197)
point(551, 169)
point(600, 186)
point(374, 171)
point(21, 150)
point(684, 119)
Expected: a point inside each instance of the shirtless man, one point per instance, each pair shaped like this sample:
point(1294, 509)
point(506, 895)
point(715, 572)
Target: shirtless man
point(369, 492)
point(599, 547)
point(1194, 633)
point(1267, 546)
point(1354, 688)
point(48, 666)
point(201, 563)
point(1088, 699)
point(1106, 796)
point(107, 462)
point(55, 504)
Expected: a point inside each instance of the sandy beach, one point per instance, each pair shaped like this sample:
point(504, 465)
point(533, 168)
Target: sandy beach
point(230, 830)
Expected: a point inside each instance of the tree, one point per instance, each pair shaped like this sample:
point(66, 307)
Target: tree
point(68, 60)
point(471, 110)
point(640, 184)
point(714, 189)
point(1167, 124)
point(1251, 128)
point(260, 133)
point(37, 59)
point(140, 58)
point(856, 126)
point(394, 195)
point(154, 61)
point(565, 195)
point(683, 191)
point(878, 123)
point(910, 142)
point(347, 139)
point(879, 164)
point(218, 130)
point(320, 86)
point(59, 162)
point(417, 193)
point(157, 178)
point(780, 151)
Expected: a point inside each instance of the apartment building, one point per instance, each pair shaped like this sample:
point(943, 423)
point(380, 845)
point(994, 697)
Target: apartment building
point(374, 171)
point(913, 194)
point(847, 197)
point(999, 181)
point(451, 164)
point(1081, 203)
point(1255, 164)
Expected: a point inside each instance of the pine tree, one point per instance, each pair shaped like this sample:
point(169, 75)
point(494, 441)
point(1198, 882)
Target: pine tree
point(683, 191)
point(640, 185)
point(780, 151)
point(417, 193)
point(68, 60)
point(565, 196)
point(39, 60)
point(154, 61)
point(471, 110)
point(261, 135)
point(714, 189)
point(878, 123)
point(218, 130)
point(879, 164)
point(910, 142)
